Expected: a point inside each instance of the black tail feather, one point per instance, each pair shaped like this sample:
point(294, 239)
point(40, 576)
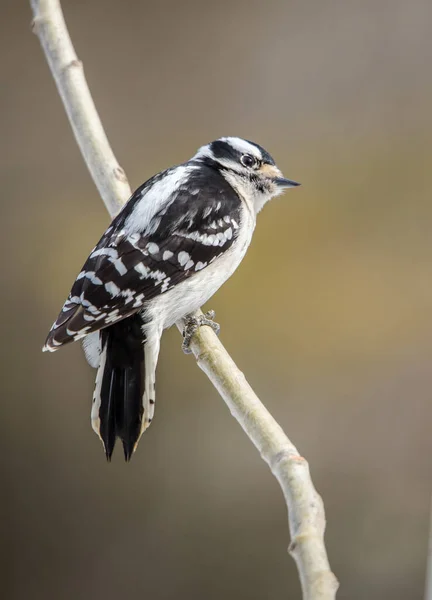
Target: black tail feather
point(107, 411)
point(122, 388)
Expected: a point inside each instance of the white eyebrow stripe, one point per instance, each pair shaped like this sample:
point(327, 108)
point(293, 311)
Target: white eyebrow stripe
point(242, 146)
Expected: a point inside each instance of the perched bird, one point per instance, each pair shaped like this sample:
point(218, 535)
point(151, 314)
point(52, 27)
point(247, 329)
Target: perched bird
point(180, 236)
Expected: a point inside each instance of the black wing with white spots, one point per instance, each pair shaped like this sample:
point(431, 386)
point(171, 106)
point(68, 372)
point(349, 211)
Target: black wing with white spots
point(194, 226)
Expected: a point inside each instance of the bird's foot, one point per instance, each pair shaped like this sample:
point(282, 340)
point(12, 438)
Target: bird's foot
point(192, 324)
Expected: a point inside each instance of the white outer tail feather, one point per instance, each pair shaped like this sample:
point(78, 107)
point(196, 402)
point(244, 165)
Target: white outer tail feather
point(97, 359)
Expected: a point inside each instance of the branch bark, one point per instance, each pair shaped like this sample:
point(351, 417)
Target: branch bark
point(305, 508)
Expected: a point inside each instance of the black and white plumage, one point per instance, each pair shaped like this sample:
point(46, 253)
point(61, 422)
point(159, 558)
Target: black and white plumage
point(181, 235)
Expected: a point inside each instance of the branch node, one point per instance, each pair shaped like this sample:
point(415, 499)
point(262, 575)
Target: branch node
point(120, 174)
point(34, 25)
point(73, 64)
point(305, 533)
point(287, 455)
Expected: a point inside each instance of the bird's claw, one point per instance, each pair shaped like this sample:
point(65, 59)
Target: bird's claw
point(192, 324)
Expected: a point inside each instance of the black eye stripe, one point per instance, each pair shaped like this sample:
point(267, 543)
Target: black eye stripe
point(221, 149)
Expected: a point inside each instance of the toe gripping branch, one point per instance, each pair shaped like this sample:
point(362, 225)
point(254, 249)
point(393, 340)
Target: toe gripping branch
point(192, 324)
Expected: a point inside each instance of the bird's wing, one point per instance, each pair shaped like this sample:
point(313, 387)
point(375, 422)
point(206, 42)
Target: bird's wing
point(133, 264)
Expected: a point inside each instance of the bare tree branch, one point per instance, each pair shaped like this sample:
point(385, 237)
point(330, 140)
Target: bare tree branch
point(110, 179)
point(305, 507)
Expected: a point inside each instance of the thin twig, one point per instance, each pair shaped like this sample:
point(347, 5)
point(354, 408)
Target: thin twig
point(305, 507)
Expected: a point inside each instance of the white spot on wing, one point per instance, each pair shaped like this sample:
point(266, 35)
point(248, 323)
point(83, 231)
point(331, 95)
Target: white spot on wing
point(138, 300)
point(128, 294)
point(167, 254)
point(152, 248)
point(183, 258)
point(91, 275)
point(88, 317)
point(157, 275)
point(119, 266)
point(112, 288)
point(134, 238)
point(112, 317)
point(142, 270)
point(93, 309)
point(105, 252)
point(165, 285)
point(80, 335)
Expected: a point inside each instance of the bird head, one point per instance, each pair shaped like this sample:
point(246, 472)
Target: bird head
point(249, 169)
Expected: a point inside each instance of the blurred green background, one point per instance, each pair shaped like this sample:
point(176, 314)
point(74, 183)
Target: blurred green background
point(329, 315)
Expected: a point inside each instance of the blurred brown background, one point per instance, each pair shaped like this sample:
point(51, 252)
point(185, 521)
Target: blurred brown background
point(329, 315)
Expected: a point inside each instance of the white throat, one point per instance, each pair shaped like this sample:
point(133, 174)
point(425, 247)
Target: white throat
point(249, 193)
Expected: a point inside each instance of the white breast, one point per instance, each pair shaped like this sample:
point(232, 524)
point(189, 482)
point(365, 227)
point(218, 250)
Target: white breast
point(192, 293)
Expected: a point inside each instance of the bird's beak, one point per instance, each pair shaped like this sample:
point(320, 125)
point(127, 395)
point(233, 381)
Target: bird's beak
point(285, 183)
point(273, 173)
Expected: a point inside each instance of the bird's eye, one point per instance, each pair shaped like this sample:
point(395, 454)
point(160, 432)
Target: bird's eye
point(247, 160)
